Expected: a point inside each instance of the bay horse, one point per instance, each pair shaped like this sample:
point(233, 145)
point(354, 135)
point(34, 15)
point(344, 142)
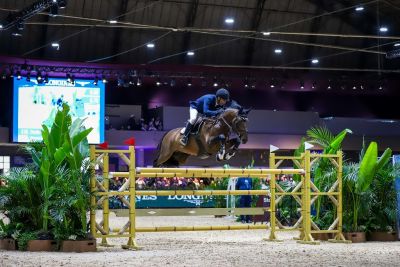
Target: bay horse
point(211, 139)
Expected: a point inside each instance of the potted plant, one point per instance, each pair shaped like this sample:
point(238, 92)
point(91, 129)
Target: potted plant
point(382, 216)
point(50, 198)
point(6, 240)
point(357, 197)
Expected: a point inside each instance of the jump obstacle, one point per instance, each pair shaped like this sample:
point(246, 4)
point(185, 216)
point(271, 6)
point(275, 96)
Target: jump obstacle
point(305, 194)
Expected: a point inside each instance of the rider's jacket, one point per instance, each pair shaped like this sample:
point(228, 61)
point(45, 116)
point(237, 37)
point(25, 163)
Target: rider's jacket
point(207, 105)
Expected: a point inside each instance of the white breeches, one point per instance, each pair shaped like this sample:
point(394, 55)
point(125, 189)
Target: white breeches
point(193, 117)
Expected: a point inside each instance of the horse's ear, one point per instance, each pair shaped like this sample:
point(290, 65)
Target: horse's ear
point(246, 111)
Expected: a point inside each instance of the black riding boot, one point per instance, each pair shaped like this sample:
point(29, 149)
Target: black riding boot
point(185, 137)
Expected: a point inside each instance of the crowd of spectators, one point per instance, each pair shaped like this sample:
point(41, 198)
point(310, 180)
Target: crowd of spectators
point(134, 124)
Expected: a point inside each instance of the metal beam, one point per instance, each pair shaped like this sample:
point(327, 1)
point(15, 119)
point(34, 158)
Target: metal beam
point(190, 19)
point(254, 27)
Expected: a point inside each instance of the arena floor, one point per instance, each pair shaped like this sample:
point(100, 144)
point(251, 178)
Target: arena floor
point(217, 248)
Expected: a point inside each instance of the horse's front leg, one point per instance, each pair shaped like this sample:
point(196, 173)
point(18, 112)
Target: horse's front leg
point(233, 146)
point(221, 140)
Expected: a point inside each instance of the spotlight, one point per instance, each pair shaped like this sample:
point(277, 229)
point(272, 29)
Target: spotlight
point(246, 82)
point(139, 82)
point(314, 85)
point(96, 81)
point(229, 21)
point(190, 53)
point(266, 33)
point(4, 75)
point(150, 45)
point(158, 82)
point(1, 26)
point(380, 87)
point(383, 29)
point(189, 82)
point(215, 83)
point(113, 21)
point(19, 76)
point(329, 87)
point(278, 51)
point(396, 44)
point(302, 84)
point(104, 79)
point(314, 61)
point(55, 46)
point(359, 8)
point(354, 87)
point(273, 83)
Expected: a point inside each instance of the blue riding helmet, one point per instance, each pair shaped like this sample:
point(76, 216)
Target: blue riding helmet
point(222, 93)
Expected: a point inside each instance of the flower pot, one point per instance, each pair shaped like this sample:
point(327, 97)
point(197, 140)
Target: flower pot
point(79, 246)
point(382, 236)
point(7, 244)
point(42, 245)
point(322, 236)
point(356, 237)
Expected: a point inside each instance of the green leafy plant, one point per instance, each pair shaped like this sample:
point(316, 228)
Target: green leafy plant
point(52, 195)
point(357, 181)
point(323, 171)
point(24, 238)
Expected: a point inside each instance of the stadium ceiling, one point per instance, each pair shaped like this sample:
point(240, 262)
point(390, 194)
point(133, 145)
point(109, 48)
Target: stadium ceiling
point(245, 33)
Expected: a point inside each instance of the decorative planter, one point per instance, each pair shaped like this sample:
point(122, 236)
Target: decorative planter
point(7, 244)
point(356, 237)
point(382, 236)
point(322, 236)
point(42, 245)
point(79, 246)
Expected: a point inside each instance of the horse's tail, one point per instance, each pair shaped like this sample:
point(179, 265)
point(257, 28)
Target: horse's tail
point(158, 150)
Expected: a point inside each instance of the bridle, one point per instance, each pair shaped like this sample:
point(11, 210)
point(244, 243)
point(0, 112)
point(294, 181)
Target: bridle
point(235, 121)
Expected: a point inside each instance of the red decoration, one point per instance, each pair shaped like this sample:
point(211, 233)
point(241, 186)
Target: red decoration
point(104, 145)
point(130, 141)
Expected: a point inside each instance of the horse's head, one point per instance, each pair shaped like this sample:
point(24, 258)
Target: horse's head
point(237, 120)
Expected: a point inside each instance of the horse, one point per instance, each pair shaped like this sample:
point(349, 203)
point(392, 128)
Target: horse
point(212, 138)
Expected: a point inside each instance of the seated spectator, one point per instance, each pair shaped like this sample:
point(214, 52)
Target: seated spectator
point(151, 125)
point(132, 123)
point(158, 124)
point(143, 125)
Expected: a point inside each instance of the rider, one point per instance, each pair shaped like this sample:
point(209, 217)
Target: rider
point(208, 105)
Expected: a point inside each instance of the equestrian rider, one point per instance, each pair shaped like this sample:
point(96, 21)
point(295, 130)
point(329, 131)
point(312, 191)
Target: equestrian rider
point(209, 106)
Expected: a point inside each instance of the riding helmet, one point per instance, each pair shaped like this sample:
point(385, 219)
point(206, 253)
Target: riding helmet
point(222, 93)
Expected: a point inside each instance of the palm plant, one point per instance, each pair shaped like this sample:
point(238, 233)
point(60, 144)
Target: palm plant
point(358, 177)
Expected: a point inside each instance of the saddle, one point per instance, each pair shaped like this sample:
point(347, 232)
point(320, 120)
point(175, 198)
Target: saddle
point(199, 123)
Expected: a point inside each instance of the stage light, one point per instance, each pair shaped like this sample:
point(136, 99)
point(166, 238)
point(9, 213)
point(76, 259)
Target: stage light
point(359, 8)
point(314, 61)
point(55, 46)
point(229, 21)
point(383, 29)
point(19, 76)
point(150, 45)
point(278, 51)
point(96, 81)
point(190, 53)
point(104, 79)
